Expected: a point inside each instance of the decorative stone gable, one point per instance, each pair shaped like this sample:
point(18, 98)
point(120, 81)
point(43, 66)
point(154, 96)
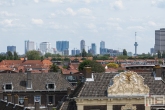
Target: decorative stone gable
point(128, 84)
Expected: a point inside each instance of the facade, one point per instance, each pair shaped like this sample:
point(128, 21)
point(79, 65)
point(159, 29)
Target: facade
point(120, 91)
point(93, 48)
point(75, 52)
point(151, 51)
point(160, 40)
point(29, 45)
point(12, 49)
point(82, 45)
point(62, 45)
point(66, 52)
point(44, 88)
point(45, 47)
point(103, 50)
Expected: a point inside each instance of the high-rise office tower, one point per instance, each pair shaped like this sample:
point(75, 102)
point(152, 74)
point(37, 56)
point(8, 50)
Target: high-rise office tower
point(102, 47)
point(45, 47)
point(93, 48)
point(29, 45)
point(73, 52)
point(159, 40)
point(12, 49)
point(82, 45)
point(62, 45)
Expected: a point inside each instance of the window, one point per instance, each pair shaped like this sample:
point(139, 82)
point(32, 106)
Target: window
point(51, 99)
point(51, 86)
point(21, 100)
point(37, 99)
point(8, 87)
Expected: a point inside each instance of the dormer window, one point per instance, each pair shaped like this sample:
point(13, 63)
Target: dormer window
point(8, 87)
point(51, 86)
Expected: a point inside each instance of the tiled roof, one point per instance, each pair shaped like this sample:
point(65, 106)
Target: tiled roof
point(98, 87)
point(39, 81)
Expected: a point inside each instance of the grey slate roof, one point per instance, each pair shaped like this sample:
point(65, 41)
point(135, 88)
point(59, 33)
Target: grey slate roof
point(98, 87)
point(39, 81)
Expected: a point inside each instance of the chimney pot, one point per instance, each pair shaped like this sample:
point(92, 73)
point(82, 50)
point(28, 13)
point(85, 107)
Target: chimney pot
point(9, 98)
point(87, 71)
point(50, 106)
point(25, 102)
point(37, 106)
point(1, 95)
point(16, 99)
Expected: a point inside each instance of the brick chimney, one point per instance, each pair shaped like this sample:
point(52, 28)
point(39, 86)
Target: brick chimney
point(25, 102)
point(9, 98)
point(157, 71)
point(68, 91)
point(16, 99)
point(87, 71)
point(50, 106)
point(1, 95)
point(37, 105)
point(29, 79)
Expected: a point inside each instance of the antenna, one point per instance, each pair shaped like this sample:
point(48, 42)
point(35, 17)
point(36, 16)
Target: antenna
point(135, 36)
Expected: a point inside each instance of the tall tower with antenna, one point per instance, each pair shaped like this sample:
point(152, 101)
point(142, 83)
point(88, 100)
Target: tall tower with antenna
point(136, 44)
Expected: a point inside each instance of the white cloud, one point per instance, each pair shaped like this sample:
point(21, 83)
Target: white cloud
point(58, 1)
point(7, 22)
point(117, 5)
point(37, 21)
point(5, 13)
point(36, 1)
point(158, 3)
point(115, 19)
point(91, 26)
point(84, 10)
point(70, 11)
point(138, 28)
point(151, 23)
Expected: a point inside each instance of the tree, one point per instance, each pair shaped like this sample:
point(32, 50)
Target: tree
point(48, 55)
point(9, 55)
point(54, 68)
point(84, 53)
point(33, 55)
point(112, 65)
point(124, 52)
point(96, 67)
point(2, 57)
point(16, 56)
point(159, 54)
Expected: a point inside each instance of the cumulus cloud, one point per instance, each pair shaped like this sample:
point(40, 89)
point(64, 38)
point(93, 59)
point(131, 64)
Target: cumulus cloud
point(54, 1)
point(115, 19)
point(70, 11)
point(158, 3)
point(7, 22)
point(84, 11)
point(117, 5)
point(37, 21)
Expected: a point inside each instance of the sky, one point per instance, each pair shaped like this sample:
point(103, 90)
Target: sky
point(112, 21)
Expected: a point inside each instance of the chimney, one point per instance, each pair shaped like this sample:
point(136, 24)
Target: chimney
point(87, 71)
point(37, 106)
point(68, 91)
point(50, 106)
point(16, 99)
point(1, 95)
point(158, 71)
point(25, 59)
point(29, 79)
point(25, 102)
point(9, 98)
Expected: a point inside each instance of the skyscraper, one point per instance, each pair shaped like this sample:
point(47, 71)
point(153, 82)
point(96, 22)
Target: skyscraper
point(160, 40)
point(102, 47)
point(62, 45)
point(136, 44)
point(29, 45)
point(82, 45)
point(45, 47)
point(12, 49)
point(93, 48)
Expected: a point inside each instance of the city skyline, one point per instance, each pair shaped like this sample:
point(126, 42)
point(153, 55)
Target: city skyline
point(114, 22)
